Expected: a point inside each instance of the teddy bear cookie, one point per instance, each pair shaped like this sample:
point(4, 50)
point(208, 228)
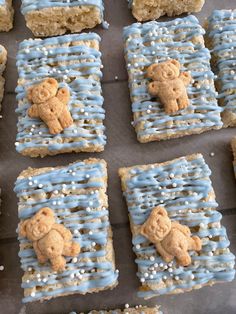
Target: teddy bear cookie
point(172, 240)
point(169, 85)
point(51, 241)
point(49, 103)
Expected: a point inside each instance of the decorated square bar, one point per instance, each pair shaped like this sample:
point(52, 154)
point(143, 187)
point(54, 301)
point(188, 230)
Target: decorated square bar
point(3, 61)
point(178, 238)
point(233, 145)
point(64, 231)
point(50, 17)
point(144, 10)
point(171, 83)
point(221, 28)
point(60, 103)
point(6, 15)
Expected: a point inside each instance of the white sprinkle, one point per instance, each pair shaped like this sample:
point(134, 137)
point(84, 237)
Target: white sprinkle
point(82, 271)
point(156, 265)
point(38, 275)
point(30, 183)
point(126, 305)
point(138, 246)
point(202, 225)
point(161, 265)
point(17, 143)
point(45, 279)
point(32, 294)
point(40, 185)
point(90, 232)
point(152, 258)
point(27, 281)
point(87, 176)
point(93, 243)
point(162, 193)
point(54, 203)
point(170, 270)
point(145, 275)
point(151, 276)
point(174, 185)
point(1, 268)
point(161, 201)
point(117, 271)
point(29, 268)
point(72, 276)
point(164, 277)
point(210, 236)
point(186, 202)
point(176, 277)
point(154, 272)
point(192, 276)
point(212, 154)
point(142, 279)
point(75, 260)
point(88, 209)
point(76, 231)
point(172, 175)
point(210, 253)
point(116, 77)
point(39, 279)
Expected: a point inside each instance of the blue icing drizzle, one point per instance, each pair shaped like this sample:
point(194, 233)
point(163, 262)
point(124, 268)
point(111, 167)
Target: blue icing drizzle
point(183, 187)
point(155, 42)
point(75, 66)
point(221, 32)
point(32, 5)
point(84, 214)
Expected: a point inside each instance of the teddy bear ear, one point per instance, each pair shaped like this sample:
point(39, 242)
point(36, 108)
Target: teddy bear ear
point(51, 81)
point(159, 210)
point(151, 69)
point(22, 228)
point(175, 62)
point(46, 211)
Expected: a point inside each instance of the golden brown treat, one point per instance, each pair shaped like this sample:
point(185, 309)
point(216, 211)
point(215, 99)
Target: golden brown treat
point(144, 10)
point(51, 241)
point(6, 16)
point(169, 85)
point(50, 105)
point(170, 237)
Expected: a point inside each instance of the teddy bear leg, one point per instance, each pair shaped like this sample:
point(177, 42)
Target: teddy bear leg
point(41, 258)
point(184, 259)
point(171, 106)
point(71, 249)
point(183, 101)
point(58, 263)
point(195, 244)
point(65, 118)
point(54, 126)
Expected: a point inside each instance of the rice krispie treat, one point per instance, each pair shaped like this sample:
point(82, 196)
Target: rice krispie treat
point(61, 74)
point(177, 233)
point(221, 28)
point(3, 60)
point(76, 194)
point(139, 309)
point(144, 10)
point(6, 15)
point(167, 51)
point(50, 17)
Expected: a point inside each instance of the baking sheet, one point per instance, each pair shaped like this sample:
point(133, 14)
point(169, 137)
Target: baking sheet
point(122, 150)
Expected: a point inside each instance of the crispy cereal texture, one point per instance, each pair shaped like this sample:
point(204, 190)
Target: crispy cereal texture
point(170, 237)
point(144, 10)
point(6, 16)
point(139, 309)
point(169, 85)
point(51, 241)
point(58, 20)
point(50, 105)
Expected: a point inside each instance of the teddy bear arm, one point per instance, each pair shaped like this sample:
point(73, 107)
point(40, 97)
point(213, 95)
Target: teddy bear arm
point(194, 243)
point(33, 111)
point(58, 263)
point(154, 88)
point(41, 258)
point(165, 255)
point(185, 78)
point(64, 232)
point(184, 259)
point(63, 95)
point(71, 249)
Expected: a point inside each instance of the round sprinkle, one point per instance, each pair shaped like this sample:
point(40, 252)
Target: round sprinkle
point(117, 271)
point(156, 265)
point(38, 275)
point(154, 272)
point(72, 276)
point(142, 279)
point(126, 305)
point(161, 264)
point(76, 231)
point(90, 232)
point(75, 260)
point(170, 270)
point(164, 277)
point(40, 185)
point(192, 276)
point(212, 154)
point(32, 294)
point(45, 280)
point(138, 246)
point(93, 243)
point(145, 275)
point(152, 258)
point(174, 185)
point(82, 271)
point(176, 277)
point(1, 268)
point(172, 175)
point(27, 281)
point(29, 268)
